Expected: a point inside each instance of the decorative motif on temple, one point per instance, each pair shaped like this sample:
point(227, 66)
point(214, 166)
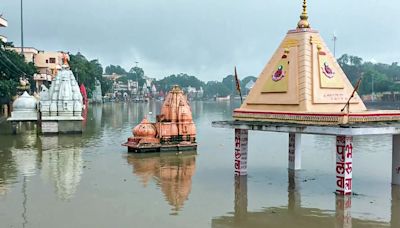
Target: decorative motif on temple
point(327, 72)
point(278, 82)
point(279, 74)
point(174, 129)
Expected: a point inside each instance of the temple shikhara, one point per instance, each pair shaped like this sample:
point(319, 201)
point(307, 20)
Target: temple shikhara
point(303, 90)
point(174, 129)
point(303, 83)
point(61, 105)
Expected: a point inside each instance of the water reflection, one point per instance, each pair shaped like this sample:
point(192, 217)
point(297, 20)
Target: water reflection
point(61, 162)
point(8, 171)
point(25, 155)
point(171, 172)
point(294, 215)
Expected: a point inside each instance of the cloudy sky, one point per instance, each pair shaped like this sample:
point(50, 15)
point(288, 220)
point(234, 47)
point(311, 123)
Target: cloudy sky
point(205, 38)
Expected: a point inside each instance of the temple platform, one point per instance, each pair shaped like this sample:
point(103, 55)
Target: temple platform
point(160, 148)
point(371, 128)
point(344, 145)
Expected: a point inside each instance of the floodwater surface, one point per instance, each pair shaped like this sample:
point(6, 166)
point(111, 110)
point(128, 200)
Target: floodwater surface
point(90, 180)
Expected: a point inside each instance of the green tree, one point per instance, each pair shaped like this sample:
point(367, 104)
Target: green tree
point(215, 88)
point(183, 80)
point(86, 72)
point(12, 67)
point(111, 69)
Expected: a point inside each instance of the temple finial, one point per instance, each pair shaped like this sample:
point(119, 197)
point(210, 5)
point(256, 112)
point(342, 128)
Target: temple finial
point(303, 23)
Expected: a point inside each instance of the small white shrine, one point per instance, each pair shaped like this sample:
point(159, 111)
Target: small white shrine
point(24, 108)
point(97, 94)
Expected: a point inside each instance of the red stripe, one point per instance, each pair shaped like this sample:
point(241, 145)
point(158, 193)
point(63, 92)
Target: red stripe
point(318, 114)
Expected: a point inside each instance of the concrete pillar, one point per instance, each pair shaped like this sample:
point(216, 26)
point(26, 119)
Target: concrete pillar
point(396, 160)
point(14, 127)
point(5, 110)
point(241, 140)
point(344, 164)
point(294, 197)
point(240, 198)
point(395, 210)
point(294, 151)
point(343, 211)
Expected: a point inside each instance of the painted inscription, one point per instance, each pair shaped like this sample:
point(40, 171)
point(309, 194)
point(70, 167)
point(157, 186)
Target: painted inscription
point(241, 137)
point(344, 164)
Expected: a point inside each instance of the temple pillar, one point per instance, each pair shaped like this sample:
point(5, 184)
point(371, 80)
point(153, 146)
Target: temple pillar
point(5, 110)
point(14, 127)
point(241, 140)
point(294, 197)
point(396, 160)
point(343, 211)
point(294, 151)
point(344, 164)
point(240, 198)
point(395, 210)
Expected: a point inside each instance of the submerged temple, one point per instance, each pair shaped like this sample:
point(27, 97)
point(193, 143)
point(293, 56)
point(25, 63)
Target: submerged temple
point(61, 105)
point(174, 129)
point(303, 90)
point(303, 83)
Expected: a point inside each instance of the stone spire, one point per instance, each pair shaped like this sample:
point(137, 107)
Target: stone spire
point(303, 23)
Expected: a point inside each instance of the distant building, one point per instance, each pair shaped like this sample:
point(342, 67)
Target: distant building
point(3, 23)
point(194, 93)
point(47, 63)
point(133, 87)
point(154, 90)
point(29, 53)
point(113, 76)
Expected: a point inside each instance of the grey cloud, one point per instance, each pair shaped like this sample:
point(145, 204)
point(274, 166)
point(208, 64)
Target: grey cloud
point(204, 38)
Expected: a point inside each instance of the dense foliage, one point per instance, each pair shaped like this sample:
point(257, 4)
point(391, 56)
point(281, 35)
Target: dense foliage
point(12, 67)
point(183, 80)
point(86, 72)
point(115, 70)
point(377, 77)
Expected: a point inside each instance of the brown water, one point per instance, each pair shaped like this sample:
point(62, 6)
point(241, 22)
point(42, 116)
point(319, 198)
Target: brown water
point(91, 181)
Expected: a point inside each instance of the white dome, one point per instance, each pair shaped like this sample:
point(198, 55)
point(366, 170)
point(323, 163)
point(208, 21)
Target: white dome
point(25, 103)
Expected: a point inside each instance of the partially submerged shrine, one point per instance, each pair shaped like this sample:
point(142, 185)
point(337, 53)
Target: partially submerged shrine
point(303, 90)
point(61, 106)
point(174, 129)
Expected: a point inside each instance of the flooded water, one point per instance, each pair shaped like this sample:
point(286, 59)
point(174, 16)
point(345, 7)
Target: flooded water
point(90, 180)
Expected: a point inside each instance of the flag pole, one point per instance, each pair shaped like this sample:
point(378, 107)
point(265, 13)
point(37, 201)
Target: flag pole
point(352, 95)
point(238, 86)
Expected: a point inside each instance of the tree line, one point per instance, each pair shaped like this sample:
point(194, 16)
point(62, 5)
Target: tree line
point(376, 77)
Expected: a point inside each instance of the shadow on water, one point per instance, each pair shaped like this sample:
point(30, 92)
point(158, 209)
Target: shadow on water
point(170, 171)
point(294, 215)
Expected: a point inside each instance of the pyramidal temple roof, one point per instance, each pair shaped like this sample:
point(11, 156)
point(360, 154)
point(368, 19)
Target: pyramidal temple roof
point(303, 82)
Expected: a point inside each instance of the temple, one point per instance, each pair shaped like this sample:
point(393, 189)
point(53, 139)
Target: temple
point(174, 129)
point(61, 105)
point(303, 90)
point(303, 83)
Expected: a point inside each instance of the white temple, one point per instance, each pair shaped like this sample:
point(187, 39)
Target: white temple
point(61, 105)
point(97, 94)
point(63, 98)
point(24, 108)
